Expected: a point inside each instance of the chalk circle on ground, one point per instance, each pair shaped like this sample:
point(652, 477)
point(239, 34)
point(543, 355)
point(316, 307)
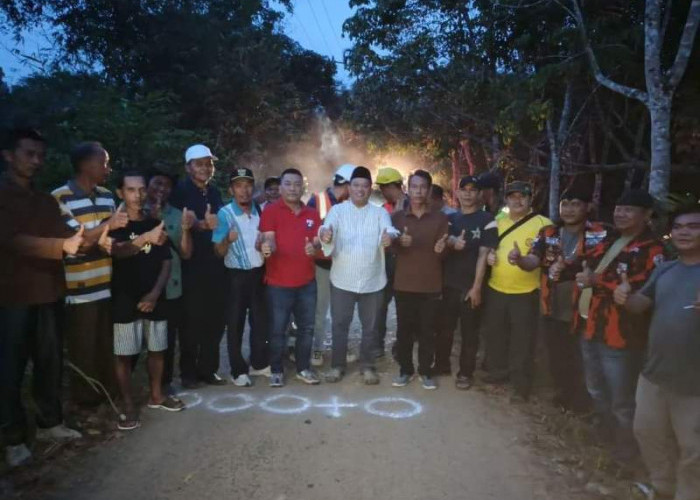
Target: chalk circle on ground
point(303, 404)
point(219, 405)
point(387, 407)
point(191, 399)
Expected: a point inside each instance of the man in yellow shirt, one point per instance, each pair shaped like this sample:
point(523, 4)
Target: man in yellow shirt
point(511, 299)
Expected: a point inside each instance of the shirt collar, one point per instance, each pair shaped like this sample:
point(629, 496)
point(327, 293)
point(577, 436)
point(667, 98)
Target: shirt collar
point(77, 190)
point(238, 211)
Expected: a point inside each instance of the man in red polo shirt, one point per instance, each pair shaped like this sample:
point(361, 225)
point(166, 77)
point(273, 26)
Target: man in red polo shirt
point(289, 244)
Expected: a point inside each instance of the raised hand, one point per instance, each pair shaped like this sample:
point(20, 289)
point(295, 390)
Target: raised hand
point(211, 221)
point(118, 219)
point(232, 236)
point(460, 242)
point(515, 255)
point(157, 235)
point(105, 242)
point(623, 291)
point(72, 245)
point(385, 239)
point(309, 248)
point(556, 268)
point(491, 258)
point(405, 239)
point(584, 279)
point(188, 219)
point(441, 244)
point(326, 234)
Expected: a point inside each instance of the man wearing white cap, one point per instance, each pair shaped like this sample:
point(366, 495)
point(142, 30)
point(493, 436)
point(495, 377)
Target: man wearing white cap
point(204, 275)
point(322, 202)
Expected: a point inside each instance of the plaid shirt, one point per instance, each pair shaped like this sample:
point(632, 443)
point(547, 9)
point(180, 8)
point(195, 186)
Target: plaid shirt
point(606, 321)
point(548, 247)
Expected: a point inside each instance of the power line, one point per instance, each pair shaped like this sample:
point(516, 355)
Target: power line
point(330, 25)
point(303, 28)
point(318, 25)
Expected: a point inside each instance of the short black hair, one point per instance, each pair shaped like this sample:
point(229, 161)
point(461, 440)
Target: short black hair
point(18, 134)
point(270, 181)
point(290, 171)
point(436, 192)
point(685, 210)
point(423, 175)
point(130, 173)
point(84, 151)
point(157, 172)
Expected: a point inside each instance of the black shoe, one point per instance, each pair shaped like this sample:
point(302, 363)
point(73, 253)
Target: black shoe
point(214, 380)
point(491, 379)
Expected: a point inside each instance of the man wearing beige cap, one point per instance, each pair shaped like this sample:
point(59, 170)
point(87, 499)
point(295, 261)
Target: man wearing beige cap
point(203, 275)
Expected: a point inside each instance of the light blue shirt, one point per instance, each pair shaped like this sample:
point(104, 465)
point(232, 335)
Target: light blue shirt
point(241, 253)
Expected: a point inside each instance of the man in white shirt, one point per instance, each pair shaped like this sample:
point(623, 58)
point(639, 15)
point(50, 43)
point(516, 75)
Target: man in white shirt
point(355, 234)
point(236, 240)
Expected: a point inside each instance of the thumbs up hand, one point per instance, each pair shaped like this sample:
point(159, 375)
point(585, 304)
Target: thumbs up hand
point(405, 239)
point(385, 239)
point(72, 245)
point(265, 247)
point(460, 242)
point(326, 234)
point(157, 235)
point(118, 219)
point(232, 236)
point(105, 242)
point(309, 248)
point(585, 278)
point(188, 219)
point(211, 221)
point(556, 268)
point(515, 254)
point(623, 290)
point(441, 244)
point(491, 258)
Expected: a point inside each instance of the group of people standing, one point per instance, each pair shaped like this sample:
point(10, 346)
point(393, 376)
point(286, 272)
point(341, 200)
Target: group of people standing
point(171, 263)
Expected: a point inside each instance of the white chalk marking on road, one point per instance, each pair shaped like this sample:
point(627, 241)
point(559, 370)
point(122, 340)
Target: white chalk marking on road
point(305, 404)
point(335, 406)
point(246, 402)
point(416, 408)
point(196, 398)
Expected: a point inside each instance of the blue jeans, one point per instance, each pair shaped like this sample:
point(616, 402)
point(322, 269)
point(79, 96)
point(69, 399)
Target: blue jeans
point(611, 380)
point(281, 303)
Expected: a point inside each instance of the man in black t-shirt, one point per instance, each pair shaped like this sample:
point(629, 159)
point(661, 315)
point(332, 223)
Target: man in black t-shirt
point(140, 273)
point(473, 233)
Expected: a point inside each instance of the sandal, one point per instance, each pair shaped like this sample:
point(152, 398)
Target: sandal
point(128, 423)
point(171, 403)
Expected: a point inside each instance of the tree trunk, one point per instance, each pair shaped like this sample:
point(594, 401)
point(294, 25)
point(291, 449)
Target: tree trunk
point(660, 172)
point(554, 170)
point(455, 175)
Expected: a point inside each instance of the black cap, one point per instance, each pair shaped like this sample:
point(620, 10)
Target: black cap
point(519, 187)
point(636, 198)
point(577, 194)
point(490, 180)
point(241, 173)
point(470, 179)
point(361, 173)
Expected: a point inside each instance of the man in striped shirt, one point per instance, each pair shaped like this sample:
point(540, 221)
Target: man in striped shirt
point(355, 233)
point(235, 239)
point(85, 203)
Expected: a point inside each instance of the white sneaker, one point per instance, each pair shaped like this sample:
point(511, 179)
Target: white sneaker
point(243, 380)
point(351, 357)
point(57, 433)
point(317, 358)
point(17, 455)
point(263, 372)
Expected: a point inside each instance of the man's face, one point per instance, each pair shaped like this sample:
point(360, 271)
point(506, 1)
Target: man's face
point(291, 188)
point(133, 192)
point(343, 191)
point(201, 170)
point(272, 193)
point(418, 189)
point(242, 191)
point(629, 218)
point(360, 191)
point(468, 196)
point(26, 159)
point(97, 167)
point(573, 211)
point(159, 188)
point(436, 203)
point(518, 203)
point(390, 192)
point(685, 233)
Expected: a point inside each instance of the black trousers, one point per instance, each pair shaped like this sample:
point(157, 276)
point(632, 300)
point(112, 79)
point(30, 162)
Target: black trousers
point(175, 316)
point(416, 314)
point(246, 295)
point(204, 288)
point(89, 339)
point(566, 364)
point(29, 332)
point(510, 329)
point(452, 308)
point(389, 266)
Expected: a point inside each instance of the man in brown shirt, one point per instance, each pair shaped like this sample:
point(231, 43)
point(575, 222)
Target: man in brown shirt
point(33, 241)
point(418, 279)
